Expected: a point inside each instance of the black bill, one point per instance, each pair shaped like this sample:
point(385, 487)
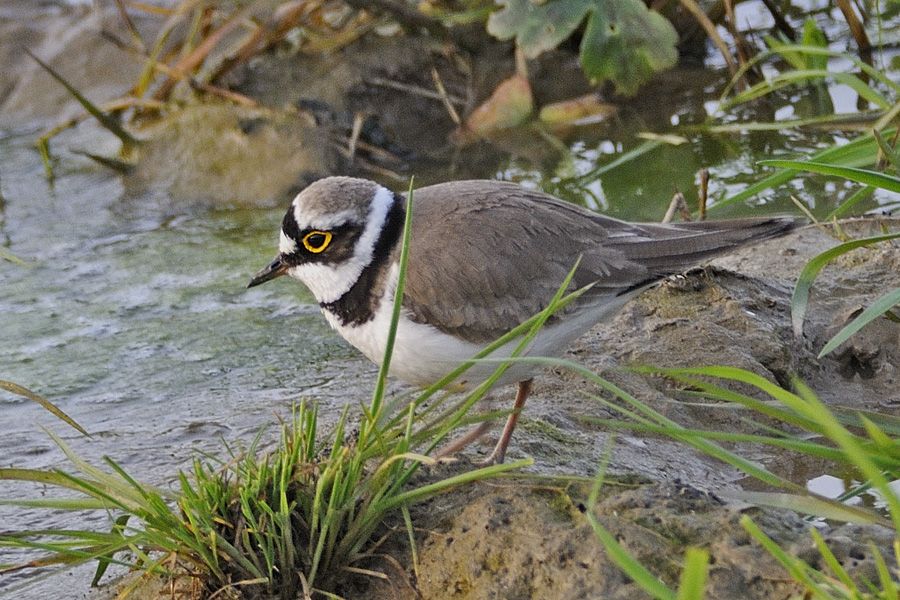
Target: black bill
point(274, 269)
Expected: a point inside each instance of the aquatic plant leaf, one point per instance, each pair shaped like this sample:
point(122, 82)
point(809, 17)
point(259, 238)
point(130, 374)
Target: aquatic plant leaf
point(878, 308)
point(576, 111)
point(626, 42)
point(537, 27)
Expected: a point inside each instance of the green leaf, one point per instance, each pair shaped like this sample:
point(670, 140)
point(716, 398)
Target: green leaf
point(813, 36)
point(864, 176)
point(878, 308)
point(798, 59)
point(831, 560)
point(882, 440)
point(537, 27)
point(884, 573)
point(892, 154)
point(798, 570)
point(800, 298)
point(803, 77)
point(633, 154)
point(626, 43)
point(860, 195)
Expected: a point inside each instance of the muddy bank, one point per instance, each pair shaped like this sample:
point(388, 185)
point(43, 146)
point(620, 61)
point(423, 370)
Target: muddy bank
point(530, 538)
point(526, 540)
point(533, 541)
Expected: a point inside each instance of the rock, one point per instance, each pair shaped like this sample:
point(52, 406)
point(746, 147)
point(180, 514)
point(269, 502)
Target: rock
point(221, 154)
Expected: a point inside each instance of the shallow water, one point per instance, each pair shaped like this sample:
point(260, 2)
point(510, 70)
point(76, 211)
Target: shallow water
point(133, 316)
point(134, 319)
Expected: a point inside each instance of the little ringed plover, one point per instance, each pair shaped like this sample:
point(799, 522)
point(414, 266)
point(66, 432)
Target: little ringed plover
point(484, 257)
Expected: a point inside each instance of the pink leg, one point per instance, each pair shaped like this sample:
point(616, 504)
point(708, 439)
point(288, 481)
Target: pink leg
point(458, 444)
point(499, 454)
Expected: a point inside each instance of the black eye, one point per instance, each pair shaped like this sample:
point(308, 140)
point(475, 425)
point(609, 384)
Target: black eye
point(317, 241)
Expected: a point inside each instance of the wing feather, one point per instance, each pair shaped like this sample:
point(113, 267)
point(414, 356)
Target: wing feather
point(487, 255)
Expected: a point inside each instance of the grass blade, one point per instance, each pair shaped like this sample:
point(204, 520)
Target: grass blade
point(24, 392)
point(692, 584)
point(863, 176)
point(800, 298)
point(794, 566)
point(891, 154)
point(804, 76)
point(378, 395)
point(809, 504)
point(831, 560)
point(104, 119)
point(633, 154)
point(847, 205)
point(861, 152)
point(10, 257)
point(629, 564)
point(879, 307)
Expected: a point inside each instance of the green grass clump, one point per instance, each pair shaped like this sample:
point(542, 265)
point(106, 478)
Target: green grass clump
point(293, 521)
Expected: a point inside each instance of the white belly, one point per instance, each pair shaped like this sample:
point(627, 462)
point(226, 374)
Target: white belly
point(424, 354)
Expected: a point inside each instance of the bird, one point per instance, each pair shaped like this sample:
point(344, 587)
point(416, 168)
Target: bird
point(484, 256)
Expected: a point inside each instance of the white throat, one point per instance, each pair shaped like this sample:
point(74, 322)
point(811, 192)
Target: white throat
point(329, 282)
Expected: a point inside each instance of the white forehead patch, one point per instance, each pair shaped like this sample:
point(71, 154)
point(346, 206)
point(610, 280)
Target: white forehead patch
point(323, 222)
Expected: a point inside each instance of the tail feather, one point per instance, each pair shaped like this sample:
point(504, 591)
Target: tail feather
point(672, 248)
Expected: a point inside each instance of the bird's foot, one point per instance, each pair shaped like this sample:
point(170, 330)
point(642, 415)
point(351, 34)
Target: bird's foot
point(452, 448)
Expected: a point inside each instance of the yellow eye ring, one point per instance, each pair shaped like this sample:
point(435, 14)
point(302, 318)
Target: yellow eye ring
point(316, 241)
